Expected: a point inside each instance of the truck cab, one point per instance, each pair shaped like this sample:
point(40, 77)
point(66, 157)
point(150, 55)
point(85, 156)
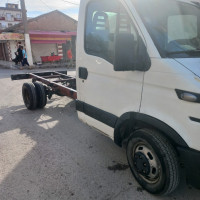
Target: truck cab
point(138, 82)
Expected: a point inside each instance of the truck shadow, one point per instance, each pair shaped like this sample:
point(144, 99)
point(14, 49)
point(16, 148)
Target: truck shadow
point(52, 155)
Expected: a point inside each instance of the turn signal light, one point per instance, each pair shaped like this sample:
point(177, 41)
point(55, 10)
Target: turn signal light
point(188, 96)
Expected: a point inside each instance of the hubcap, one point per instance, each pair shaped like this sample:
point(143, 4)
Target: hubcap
point(146, 163)
point(142, 164)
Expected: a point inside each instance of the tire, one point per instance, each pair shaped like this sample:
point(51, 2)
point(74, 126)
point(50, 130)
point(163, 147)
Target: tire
point(153, 162)
point(41, 94)
point(29, 96)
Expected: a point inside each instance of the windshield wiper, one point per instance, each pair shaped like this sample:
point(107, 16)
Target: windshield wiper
point(182, 52)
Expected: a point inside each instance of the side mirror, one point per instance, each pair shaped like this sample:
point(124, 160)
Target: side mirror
point(130, 55)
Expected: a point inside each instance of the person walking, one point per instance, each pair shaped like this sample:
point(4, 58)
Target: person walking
point(19, 56)
point(24, 61)
point(15, 60)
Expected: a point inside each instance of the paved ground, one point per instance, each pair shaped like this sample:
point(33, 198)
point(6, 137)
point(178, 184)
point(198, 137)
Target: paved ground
point(11, 65)
point(50, 155)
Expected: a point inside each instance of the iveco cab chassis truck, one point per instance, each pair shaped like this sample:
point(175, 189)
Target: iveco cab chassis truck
point(138, 81)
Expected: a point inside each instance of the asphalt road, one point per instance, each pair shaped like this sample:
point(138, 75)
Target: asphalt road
point(50, 155)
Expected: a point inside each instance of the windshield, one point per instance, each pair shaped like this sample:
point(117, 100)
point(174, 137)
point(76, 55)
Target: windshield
point(173, 25)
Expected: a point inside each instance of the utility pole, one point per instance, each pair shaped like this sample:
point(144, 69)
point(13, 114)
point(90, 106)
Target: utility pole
point(26, 33)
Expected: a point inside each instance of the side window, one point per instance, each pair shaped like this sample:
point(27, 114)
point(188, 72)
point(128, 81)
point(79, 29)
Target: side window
point(101, 23)
point(125, 24)
point(105, 20)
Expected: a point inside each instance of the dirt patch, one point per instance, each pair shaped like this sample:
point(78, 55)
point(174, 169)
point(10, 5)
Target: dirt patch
point(118, 167)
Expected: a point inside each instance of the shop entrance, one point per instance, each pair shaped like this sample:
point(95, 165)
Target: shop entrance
point(4, 52)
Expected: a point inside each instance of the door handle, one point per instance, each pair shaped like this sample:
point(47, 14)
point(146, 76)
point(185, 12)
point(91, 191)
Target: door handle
point(83, 73)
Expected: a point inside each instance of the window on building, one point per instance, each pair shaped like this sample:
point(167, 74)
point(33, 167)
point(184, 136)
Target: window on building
point(105, 20)
point(8, 5)
point(8, 16)
point(10, 24)
point(4, 25)
point(18, 16)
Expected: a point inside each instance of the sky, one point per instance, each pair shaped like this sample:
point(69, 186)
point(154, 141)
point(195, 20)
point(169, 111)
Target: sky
point(38, 7)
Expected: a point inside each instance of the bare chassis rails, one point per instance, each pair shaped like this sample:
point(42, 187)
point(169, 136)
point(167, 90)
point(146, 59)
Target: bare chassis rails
point(58, 83)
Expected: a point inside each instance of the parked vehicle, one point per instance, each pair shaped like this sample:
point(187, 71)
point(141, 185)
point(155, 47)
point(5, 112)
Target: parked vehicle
point(138, 81)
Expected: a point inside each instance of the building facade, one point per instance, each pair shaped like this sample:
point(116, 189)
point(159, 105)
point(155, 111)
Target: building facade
point(10, 15)
point(51, 33)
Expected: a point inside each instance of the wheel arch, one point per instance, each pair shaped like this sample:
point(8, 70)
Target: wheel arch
point(131, 121)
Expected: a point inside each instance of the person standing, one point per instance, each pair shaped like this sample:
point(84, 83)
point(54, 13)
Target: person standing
point(24, 61)
point(70, 57)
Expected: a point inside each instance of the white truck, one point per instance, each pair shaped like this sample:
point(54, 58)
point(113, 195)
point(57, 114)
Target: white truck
point(138, 82)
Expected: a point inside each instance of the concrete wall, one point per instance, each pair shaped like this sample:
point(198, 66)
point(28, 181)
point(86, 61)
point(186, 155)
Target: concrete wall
point(39, 50)
point(12, 47)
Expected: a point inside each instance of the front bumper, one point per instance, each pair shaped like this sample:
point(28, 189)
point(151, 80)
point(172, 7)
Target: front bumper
point(191, 160)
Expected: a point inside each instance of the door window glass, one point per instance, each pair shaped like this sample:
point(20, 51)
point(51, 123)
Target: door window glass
point(101, 25)
point(104, 20)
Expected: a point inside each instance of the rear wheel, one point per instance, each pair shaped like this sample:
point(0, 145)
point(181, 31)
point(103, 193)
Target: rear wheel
point(153, 162)
point(29, 96)
point(41, 95)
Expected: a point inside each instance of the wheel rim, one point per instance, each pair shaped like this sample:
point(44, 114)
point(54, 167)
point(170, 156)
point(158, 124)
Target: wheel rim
point(146, 163)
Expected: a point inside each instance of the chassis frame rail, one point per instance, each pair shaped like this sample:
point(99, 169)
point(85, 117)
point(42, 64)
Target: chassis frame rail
point(64, 85)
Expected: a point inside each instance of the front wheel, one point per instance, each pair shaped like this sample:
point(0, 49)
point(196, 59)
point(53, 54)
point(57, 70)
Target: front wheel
point(153, 162)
